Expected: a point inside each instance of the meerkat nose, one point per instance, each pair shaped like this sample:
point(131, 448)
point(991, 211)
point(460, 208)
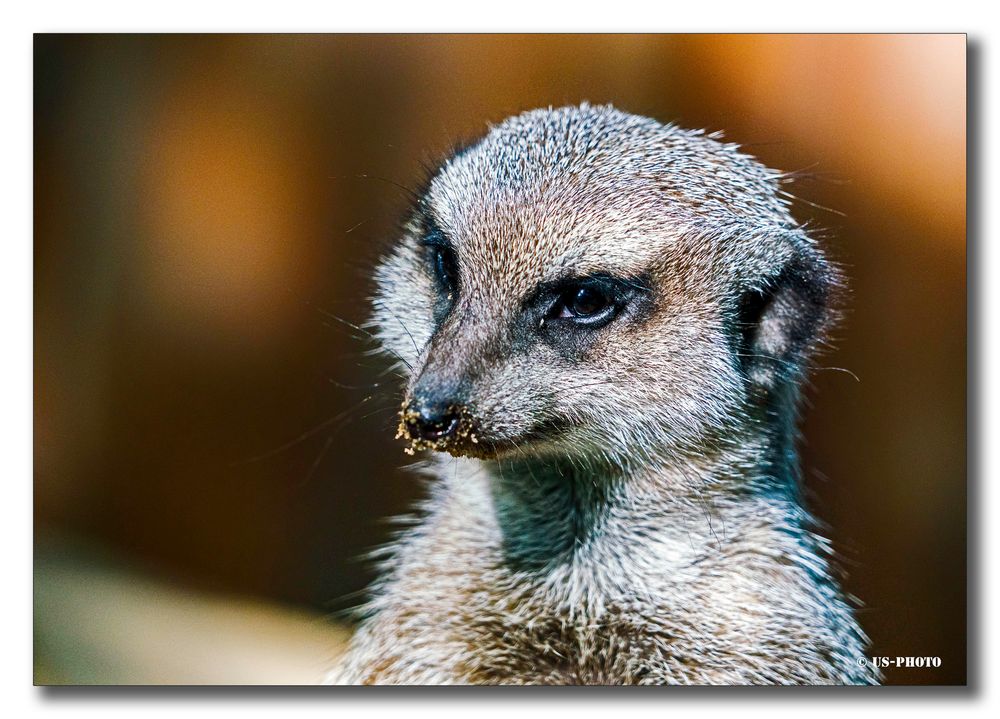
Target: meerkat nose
point(431, 422)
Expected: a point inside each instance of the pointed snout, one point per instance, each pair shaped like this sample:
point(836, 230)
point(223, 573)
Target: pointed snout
point(431, 420)
point(438, 412)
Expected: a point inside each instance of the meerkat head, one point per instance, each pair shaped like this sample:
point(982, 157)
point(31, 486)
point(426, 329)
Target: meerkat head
point(593, 283)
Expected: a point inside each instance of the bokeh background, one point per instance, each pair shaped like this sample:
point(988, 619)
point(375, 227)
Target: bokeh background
point(207, 207)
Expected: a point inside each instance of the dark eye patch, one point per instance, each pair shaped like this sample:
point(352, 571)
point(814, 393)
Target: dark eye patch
point(568, 312)
point(441, 260)
point(442, 265)
point(592, 299)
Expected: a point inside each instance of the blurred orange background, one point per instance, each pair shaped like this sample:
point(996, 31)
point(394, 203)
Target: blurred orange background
point(204, 203)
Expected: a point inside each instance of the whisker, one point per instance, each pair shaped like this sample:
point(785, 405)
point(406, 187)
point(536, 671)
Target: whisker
point(341, 385)
point(317, 461)
point(793, 365)
point(410, 193)
point(837, 369)
point(368, 335)
point(790, 196)
point(388, 309)
point(304, 436)
point(391, 408)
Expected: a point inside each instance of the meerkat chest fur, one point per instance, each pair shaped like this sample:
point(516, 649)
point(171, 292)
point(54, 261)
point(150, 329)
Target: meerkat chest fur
point(533, 579)
point(606, 322)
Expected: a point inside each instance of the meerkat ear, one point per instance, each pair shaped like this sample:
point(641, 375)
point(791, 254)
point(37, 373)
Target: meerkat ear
point(781, 322)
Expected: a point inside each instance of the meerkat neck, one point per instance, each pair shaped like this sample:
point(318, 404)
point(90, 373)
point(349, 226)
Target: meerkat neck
point(557, 511)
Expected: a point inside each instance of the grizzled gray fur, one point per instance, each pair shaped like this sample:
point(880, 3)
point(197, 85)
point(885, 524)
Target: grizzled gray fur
point(605, 321)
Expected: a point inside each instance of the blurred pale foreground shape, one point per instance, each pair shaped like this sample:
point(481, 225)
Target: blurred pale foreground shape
point(98, 623)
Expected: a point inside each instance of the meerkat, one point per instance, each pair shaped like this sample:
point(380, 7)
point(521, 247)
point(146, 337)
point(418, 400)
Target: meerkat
point(605, 322)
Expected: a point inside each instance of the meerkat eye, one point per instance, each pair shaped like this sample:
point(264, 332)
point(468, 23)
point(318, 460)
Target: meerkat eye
point(589, 303)
point(445, 267)
point(585, 304)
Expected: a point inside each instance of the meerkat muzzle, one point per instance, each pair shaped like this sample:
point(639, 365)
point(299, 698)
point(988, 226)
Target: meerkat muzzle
point(449, 428)
point(431, 424)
